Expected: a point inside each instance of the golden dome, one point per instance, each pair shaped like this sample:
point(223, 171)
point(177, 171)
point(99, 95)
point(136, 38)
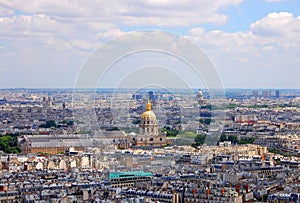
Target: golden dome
point(148, 114)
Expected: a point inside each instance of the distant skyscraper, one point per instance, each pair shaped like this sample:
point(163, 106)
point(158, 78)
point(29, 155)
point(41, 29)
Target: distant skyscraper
point(255, 93)
point(137, 96)
point(277, 94)
point(151, 95)
point(266, 93)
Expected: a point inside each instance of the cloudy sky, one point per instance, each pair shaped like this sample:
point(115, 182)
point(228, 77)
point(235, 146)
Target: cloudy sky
point(253, 43)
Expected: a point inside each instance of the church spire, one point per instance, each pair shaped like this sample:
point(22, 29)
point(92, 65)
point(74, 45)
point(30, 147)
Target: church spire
point(148, 106)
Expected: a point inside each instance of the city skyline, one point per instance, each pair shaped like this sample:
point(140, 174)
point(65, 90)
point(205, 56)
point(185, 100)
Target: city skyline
point(253, 44)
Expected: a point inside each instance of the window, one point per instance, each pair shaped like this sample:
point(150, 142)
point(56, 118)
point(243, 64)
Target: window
point(160, 139)
point(151, 139)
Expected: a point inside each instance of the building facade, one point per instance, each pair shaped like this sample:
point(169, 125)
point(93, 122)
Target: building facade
point(148, 131)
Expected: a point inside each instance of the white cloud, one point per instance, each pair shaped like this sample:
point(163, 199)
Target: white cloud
point(60, 34)
point(264, 56)
point(5, 11)
point(280, 30)
point(129, 12)
point(275, 24)
point(81, 44)
point(109, 34)
point(80, 24)
point(32, 25)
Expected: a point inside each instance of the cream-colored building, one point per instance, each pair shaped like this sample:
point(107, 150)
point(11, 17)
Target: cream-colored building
point(148, 132)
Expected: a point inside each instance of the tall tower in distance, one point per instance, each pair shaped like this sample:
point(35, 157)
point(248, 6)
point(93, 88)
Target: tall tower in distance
point(200, 98)
point(277, 94)
point(47, 102)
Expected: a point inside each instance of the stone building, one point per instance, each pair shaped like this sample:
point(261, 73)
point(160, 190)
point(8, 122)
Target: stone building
point(149, 135)
point(54, 144)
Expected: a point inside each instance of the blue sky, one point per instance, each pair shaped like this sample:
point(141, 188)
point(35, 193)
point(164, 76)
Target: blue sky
point(253, 43)
point(240, 17)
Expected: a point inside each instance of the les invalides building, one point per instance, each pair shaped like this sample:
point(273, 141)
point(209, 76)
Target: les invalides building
point(148, 132)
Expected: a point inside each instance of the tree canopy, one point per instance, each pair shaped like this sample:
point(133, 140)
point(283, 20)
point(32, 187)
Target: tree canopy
point(8, 144)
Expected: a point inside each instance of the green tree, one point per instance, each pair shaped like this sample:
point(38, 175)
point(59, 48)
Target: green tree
point(232, 138)
point(8, 144)
point(205, 121)
point(170, 132)
point(48, 124)
point(249, 140)
point(188, 134)
point(199, 140)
